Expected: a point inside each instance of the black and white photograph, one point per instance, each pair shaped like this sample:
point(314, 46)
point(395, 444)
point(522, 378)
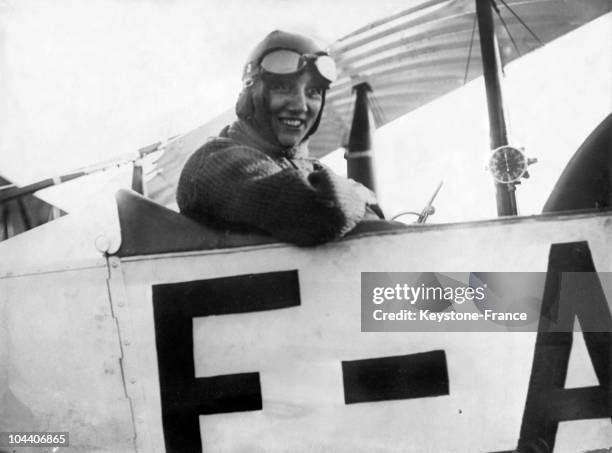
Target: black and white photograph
point(305, 227)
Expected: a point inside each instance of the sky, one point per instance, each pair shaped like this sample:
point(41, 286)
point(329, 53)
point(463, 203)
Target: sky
point(85, 82)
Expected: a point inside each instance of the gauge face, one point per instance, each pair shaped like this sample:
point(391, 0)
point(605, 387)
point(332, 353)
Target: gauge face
point(507, 164)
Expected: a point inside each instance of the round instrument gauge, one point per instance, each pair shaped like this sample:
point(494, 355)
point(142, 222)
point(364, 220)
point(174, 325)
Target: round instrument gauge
point(507, 164)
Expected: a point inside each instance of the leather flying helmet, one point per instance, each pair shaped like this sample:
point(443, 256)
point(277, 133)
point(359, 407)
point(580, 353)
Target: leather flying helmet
point(282, 53)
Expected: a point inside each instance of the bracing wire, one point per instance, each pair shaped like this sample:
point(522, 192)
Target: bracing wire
point(508, 31)
point(522, 22)
point(376, 109)
point(373, 107)
point(469, 59)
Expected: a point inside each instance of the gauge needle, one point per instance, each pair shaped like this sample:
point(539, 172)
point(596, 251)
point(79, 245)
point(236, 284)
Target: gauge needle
point(506, 159)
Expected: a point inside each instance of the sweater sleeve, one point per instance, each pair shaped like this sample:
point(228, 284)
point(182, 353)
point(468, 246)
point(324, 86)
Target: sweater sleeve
point(243, 185)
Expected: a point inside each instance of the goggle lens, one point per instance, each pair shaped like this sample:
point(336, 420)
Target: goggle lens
point(326, 67)
point(290, 62)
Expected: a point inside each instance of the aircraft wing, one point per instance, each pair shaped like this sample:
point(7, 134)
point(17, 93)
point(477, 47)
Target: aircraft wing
point(24, 213)
point(431, 49)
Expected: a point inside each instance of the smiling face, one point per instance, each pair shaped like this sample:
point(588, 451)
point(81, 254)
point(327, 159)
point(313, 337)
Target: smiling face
point(293, 104)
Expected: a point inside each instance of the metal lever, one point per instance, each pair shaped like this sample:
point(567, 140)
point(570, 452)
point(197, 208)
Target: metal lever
point(429, 208)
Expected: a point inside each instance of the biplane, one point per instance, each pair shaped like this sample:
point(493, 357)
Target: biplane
point(133, 328)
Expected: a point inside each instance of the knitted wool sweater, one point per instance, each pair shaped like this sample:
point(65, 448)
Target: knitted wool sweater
point(240, 179)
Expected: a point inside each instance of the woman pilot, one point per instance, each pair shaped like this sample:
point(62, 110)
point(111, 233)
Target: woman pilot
point(257, 172)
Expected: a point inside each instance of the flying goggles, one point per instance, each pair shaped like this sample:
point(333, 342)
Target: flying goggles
point(284, 62)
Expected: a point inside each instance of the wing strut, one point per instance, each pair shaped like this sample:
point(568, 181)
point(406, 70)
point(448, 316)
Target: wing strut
point(359, 157)
point(505, 193)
